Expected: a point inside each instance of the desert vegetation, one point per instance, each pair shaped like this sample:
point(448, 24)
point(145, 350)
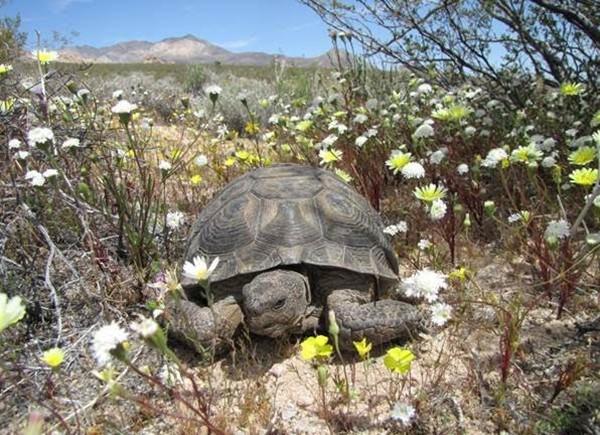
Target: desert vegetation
point(485, 172)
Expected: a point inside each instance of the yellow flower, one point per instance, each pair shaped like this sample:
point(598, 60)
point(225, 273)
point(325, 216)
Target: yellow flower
point(582, 156)
point(595, 119)
point(330, 156)
point(5, 68)
point(315, 347)
point(528, 155)
point(252, 128)
point(11, 310)
point(584, 177)
point(196, 179)
point(570, 89)
point(398, 360)
point(461, 274)
point(242, 155)
point(398, 160)
point(454, 113)
point(346, 178)
point(53, 357)
point(6, 105)
point(229, 161)
point(363, 347)
point(430, 192)
point(44, 56)
point(304, 126)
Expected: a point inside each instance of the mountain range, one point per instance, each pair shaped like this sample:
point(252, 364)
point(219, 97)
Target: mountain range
point(186, 49)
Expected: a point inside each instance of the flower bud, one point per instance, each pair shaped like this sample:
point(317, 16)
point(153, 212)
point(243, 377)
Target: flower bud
point(467, 221)
point(334, 328)
point(489, 207)
point(322, 374)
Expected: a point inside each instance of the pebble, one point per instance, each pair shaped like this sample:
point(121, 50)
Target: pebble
point(277, 370)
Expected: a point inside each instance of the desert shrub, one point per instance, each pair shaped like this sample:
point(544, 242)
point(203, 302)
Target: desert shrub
point(195, 79)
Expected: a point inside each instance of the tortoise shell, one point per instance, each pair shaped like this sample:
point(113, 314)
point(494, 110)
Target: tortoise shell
point(291, 214)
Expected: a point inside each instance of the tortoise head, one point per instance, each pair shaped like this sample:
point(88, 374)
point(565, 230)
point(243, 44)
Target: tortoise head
point(276, 302)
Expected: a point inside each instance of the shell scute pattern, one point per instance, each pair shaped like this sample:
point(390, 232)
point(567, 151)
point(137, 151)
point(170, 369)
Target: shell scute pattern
point(291, 214)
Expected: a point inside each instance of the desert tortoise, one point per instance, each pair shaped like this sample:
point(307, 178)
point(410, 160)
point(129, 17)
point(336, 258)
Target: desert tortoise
point(293, 242)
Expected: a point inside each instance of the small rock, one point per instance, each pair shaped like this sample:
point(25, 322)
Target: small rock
point(289, 411)
point(304, 401)
point(277, 370)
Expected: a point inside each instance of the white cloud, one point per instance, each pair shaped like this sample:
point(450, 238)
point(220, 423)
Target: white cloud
point(61, 5)
point(238, 43)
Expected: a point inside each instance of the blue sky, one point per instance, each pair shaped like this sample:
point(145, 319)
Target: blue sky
point(270, 26)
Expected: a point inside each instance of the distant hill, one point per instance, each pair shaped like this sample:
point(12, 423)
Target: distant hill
point(185, 49)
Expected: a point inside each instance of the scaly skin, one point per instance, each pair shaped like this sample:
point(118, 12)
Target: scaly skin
point(379, 322)
point(204, 327)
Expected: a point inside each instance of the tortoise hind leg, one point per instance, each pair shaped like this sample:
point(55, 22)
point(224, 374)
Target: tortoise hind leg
point(379, 322)
point(202, 327)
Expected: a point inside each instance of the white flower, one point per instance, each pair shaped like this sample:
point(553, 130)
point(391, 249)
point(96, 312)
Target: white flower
point(117, 94)
point(494, 156)
point(462, 169)
point(145, 327)
point(201, 160)
point(424, 283)
point(557, 229)
point(360, 118)
point(174, 219)
point(423, 130)
point(70, 143)
point(40, 136)
point(48, 173)
point(470, 130)
point(437, 157)
point(335, 125)
point(222, 131)
point(403, 412)
point(329, 140)
point(198, 270)
point(274, 119)
point(123, 107)
point(163, 165)
point(22, 155)
point(438, 209)
point(424, 244)
point(400, 227)
point(515, 217)
point(360, 141)
point(83, 93)
point(548, 162)
point(440, 313)
point(11, 310)
point(107, 339)
point(424, 89)
point(547, 144)
point(213, 90)
point(35, 178)
point(14, 144)
point(413, 170)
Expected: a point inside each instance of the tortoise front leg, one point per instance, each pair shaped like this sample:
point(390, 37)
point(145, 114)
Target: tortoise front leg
point(203, 327)
point(358, 317)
